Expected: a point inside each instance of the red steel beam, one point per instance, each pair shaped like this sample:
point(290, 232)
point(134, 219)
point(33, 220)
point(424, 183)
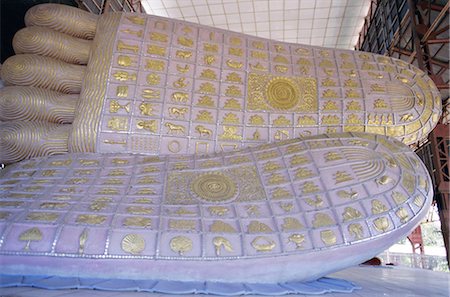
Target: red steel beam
point(436, 21)
point(440, 140)
point(413, 54)
point(438, 40)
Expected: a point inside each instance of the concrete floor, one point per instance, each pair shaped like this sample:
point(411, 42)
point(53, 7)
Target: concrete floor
point(375, 281)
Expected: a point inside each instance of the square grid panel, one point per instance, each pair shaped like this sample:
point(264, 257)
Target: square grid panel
point(329, 23)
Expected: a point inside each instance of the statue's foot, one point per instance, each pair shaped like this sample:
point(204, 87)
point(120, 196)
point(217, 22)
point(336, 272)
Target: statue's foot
point(155, 85)
point(289, 211)
point(44, 81)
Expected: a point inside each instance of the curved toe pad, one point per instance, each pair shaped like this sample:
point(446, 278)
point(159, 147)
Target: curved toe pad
point(299, 209)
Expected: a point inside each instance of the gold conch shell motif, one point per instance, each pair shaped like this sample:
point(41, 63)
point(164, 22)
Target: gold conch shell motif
point(133, 244)
point(181, 244)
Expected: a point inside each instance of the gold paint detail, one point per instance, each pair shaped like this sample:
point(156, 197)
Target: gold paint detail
point(182, 225)
point(232, 104)
point(321, 220)
point(351, 214)
point(342, 176)
point(399, 198)
point(218, 210)
point(409, 182)
point(214, 187)
point(282, 94)
point(139, 210)
point(230, 133)
point(51, 205)
point(155, 65)
point(233, 91)
point(384, 180)
point(181, 245)
point(221, 227)
point(128, 47)
point(256, 120)
point(280, 193)
point(344, 194)
point(316, 202)
point(205, 101)
point(297, 239)
point(263, 244)
point(403, 215)
point(91, 219)
point(156, 36)
point(328, 237)
point(234, 64)
point(378, 207)
point(42, 216)
point(291, 224)
point(133, 244)
point(82, 240)
point(29, 235)
point(220, 242)
point(258, 227)
point(309, 187)
point(266, 92)
point(299, 160)
point(356, 230)
point(381, 224)
point(303, 173)
point(137, 222)
point(418, 201)
point(153, 79)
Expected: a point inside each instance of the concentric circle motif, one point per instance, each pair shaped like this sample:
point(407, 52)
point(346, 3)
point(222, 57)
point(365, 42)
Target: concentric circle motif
point(282, 93)
point(214, 187)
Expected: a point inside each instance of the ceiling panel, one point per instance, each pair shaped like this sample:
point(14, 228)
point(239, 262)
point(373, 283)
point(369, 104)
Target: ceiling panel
point(330, 23)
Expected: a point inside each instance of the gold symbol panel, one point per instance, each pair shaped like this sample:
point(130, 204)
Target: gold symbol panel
point(214, 187)
point(278, 93)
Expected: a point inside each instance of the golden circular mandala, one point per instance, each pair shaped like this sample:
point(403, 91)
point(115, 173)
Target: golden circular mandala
point(282, 93)
point(214, 187)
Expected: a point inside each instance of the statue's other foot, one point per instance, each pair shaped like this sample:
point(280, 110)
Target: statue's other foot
point(155, 85)
point(288, 211)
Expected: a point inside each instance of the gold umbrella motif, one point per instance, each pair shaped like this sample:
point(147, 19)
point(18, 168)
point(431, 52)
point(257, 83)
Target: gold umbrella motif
point(32, 234)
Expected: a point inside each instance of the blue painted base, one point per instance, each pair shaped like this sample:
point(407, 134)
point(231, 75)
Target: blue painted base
point(320, 286)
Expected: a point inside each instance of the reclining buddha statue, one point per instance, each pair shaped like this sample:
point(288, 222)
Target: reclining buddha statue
point(148, 148)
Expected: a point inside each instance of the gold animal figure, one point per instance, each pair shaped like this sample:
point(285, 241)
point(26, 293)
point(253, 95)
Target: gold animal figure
point(150, 125)
point(180, 97)
point(178, 112)
point(203, 131)
point(175, 128)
